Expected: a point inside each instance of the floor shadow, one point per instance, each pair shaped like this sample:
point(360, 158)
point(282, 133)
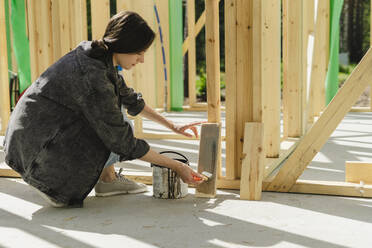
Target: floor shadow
point(165, 223)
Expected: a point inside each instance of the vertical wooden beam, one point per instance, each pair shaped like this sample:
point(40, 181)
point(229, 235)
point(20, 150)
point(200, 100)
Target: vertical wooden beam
point(32, 35)
point(271, 47)
point(213, 60)
point(252, 165)
point(257, 58)
point(292, 68)
point(61, 28)
point(231, 86)
point(320, 59)
point(213, 67)
point(100, 10)
point(4, 79)
point(123, 5)
point(244, 112)
point(319, 133)
point(309, 25)
point(78, 27)
point(191, 51)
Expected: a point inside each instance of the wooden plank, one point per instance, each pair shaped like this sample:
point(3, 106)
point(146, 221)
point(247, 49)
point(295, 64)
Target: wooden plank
point(332, 188)
point(61, 28)
point(320, 59)
point(191, 51)
point(231, 90)
point(358, 172)
point(309, 25)
point(271, 48)
point(360, 109)
point(213, 61)
point(244, 94)
point(198, 26)
point(44, 35)
point(4, 78)
point(252, 165)
point(257, 58)
point(32, 36)
point(79, 29)
point(212, 51)
point(210, 140)
point(100, 11)
point(292, 68)
point(319, 133)
point(122, 5)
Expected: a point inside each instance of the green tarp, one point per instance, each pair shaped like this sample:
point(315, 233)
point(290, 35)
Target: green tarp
point(21, 43)
point(176, 58)
point(333, 66)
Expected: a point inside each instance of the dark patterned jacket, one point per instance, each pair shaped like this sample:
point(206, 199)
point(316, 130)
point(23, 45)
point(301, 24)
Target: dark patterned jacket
point(64, 127)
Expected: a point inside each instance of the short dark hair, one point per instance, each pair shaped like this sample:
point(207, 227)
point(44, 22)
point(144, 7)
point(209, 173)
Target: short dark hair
point(126, 32)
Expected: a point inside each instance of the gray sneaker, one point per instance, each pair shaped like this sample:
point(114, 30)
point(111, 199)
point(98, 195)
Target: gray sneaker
point(120, 185)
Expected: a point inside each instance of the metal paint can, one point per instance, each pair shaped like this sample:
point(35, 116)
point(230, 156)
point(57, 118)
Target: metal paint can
point(167, 184)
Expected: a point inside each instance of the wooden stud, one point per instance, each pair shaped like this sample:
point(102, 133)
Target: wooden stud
point(100, 11)
point(212, 50)
point(244, 94)
point(32, 35)
point(319, 133)
point(79, 29)
point(231, 86)
point(210, 140)
point(4, 79)
point(320, 58)
point(358, 172)
point(252, 165)
point(257, 58)
point(61, 28)
point(271, 47)
point(191, 51)
point(292, 68)
point(331, 188)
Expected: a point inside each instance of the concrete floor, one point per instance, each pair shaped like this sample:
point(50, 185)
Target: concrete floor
point(278, 220)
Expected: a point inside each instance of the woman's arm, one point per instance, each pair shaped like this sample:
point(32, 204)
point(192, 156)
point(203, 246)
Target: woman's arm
point(184, 171)
point(151, 114)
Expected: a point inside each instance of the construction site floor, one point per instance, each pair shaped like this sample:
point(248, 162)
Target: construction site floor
point(140, 220)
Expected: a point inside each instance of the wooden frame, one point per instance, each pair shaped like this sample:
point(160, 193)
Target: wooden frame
point(252, 38)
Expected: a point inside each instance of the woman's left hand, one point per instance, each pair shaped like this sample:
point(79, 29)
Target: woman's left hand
point(181, 129)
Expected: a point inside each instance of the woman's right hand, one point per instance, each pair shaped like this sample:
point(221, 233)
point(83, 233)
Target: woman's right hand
point(188, 175)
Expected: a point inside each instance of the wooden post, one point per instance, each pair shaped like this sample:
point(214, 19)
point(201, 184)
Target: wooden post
point(258, 63)
point(100, 10)
point(320, 59)
point(61, 28)
point(312, 142)
point(32, 35)
point(231, 85)
point(4, 79)
point(292, 68)
point(271, 76)
point(244, 75)
point(252, 165)
point(79, 29)
point(191, 51)
point(213, 67)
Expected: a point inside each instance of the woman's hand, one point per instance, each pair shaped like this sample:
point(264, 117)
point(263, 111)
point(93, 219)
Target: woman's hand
point(181, 129)
point(188, 175)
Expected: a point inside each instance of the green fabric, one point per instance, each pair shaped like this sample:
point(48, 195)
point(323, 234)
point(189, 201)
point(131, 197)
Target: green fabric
point(176, 58)
point(333, 66)
point(20, 43)
point(8, 40)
